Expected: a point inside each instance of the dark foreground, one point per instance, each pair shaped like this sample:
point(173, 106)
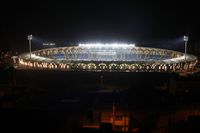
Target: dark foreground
point(44, 101)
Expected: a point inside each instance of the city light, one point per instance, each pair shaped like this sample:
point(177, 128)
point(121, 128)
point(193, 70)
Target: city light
point(48, 44)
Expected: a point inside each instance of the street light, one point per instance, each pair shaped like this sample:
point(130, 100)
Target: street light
point(185, 38)
point(30, 37)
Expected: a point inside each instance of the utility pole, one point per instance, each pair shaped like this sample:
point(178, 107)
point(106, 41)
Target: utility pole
point(185, 38)
point(30, 37)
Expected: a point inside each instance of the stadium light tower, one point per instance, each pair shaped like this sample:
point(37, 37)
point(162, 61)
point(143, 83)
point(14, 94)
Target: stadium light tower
point(185, 38)
point(30, 37)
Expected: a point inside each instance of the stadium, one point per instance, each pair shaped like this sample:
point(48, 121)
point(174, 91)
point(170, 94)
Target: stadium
point(108, 58)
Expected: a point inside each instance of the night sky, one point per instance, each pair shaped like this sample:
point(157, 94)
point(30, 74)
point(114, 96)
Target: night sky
point(147, 23)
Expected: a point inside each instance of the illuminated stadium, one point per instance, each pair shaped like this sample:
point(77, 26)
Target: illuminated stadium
point(108, 57)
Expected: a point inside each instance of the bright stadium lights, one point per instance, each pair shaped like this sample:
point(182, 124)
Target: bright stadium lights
point(30, 37)
point(112, 45)
point(185, 38)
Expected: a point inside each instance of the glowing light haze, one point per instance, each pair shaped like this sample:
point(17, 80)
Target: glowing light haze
point(113, 45)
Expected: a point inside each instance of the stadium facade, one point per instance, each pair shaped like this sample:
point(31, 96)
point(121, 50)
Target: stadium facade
point(108, 57)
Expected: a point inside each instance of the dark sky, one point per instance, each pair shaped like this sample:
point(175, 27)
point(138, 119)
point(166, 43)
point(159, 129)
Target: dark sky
point(67, 22)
